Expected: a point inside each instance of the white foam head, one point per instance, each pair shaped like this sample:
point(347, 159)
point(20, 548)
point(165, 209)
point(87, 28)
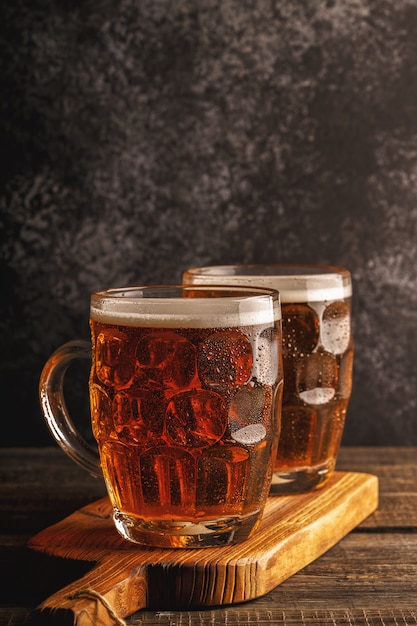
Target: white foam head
point(164, 307)
point(295, 283)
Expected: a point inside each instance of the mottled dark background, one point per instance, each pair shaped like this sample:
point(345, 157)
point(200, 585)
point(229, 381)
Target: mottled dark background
point(141, 137)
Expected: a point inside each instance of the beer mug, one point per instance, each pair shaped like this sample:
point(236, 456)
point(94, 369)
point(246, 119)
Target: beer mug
point(317, 358)
point(185, 394)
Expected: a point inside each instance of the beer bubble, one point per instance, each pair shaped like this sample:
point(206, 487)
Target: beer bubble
point(300, 329)
point(168, 479)
point(296, 443)
point(266, 365)
point(196, 419)
point(138, 414)
point(167, 359)
point(290, 387)
point(317, 378)
point(250, 405)
point(345, 374)
point(118, 461)
point(221, 473)
point(113, 365)
point(224, 360)
point(336, 327)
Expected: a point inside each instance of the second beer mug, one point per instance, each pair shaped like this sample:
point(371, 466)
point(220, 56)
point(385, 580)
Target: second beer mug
point(317, 356)
point(185, 391)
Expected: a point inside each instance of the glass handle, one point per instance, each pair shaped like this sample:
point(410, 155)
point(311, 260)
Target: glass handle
point(54, 409)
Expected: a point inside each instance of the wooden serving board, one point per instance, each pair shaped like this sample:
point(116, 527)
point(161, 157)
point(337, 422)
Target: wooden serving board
point(294, 531)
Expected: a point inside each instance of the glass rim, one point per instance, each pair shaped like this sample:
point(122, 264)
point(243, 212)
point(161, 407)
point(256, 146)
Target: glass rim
point(295, 282)
point(248, 291)
point(295, 270)
point(159, 305)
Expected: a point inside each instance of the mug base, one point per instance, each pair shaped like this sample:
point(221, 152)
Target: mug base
point(186, 534)
point(300, 480)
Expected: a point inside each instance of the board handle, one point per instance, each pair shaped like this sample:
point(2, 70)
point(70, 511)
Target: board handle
point(103, 597)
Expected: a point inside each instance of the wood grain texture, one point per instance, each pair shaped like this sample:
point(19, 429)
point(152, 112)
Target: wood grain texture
point(295, 530)
point(369, 578)
point(281, 617)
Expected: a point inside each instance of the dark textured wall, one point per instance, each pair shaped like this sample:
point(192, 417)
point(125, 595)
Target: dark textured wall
point(142, 137)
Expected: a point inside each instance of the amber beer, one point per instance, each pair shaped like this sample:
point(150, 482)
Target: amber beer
point(185, 401)
point(317, 358)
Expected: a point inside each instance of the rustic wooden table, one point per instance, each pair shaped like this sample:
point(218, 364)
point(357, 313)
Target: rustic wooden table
point(368, 578)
